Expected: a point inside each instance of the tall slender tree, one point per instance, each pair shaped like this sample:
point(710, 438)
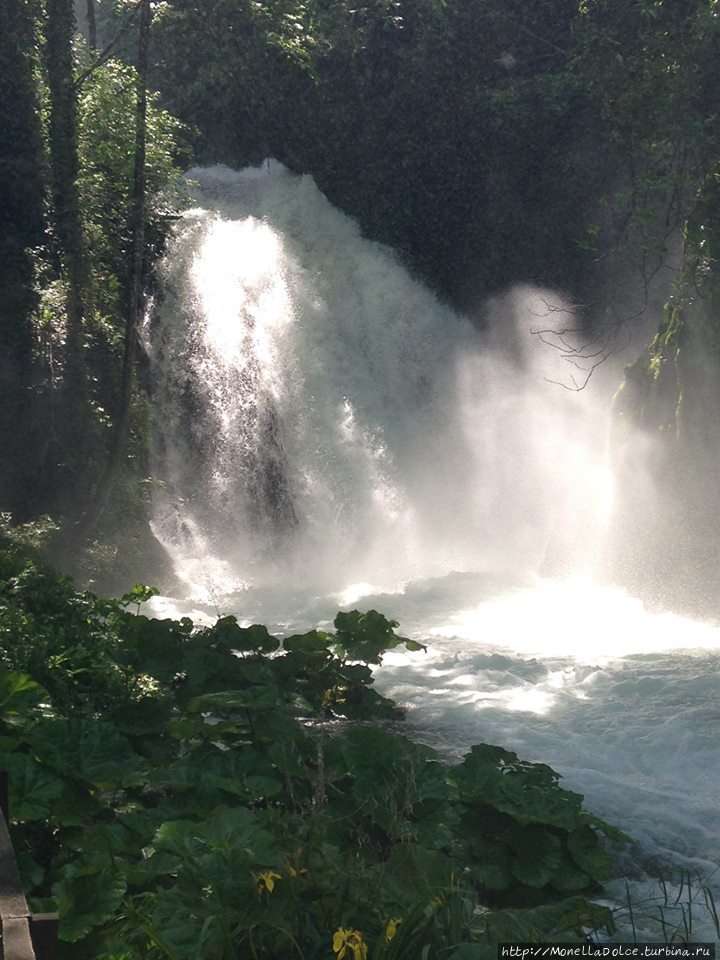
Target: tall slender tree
point(69, 240)
point(59, 33)
point(91, 24)
point(22, 227)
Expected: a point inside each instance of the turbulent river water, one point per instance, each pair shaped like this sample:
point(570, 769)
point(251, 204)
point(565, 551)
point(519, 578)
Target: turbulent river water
point(330, 436)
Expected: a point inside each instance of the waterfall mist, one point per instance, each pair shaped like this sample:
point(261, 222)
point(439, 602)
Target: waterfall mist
point(323, 420)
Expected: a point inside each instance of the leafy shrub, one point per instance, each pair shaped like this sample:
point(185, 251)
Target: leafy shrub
point(216, 792)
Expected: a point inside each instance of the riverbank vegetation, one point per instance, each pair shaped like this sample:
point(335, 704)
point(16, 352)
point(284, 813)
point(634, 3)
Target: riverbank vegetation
point(185, 792)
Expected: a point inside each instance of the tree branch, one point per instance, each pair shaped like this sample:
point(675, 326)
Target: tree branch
point(104, 55)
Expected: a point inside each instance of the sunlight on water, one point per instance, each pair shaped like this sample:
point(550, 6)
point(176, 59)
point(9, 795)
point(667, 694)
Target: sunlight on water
point(353, 593)
point(579, 619)
point(621, 701)
point(238, 260)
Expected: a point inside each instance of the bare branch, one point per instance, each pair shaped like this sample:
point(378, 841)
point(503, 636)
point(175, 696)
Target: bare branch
point(104, 54)
point(585, 355)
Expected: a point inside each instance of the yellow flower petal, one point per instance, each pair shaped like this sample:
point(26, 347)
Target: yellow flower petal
point(345, 939)
point(266, 880)
point(339, 940)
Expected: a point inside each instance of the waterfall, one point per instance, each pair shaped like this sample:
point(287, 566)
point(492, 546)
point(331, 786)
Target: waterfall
point(321, 418)
point(327, 433)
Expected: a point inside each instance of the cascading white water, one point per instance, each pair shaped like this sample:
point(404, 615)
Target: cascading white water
point(328, 434)
point(324, 419)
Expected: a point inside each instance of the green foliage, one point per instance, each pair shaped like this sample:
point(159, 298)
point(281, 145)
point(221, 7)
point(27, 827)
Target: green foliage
point(67, 166)
point(185, 792)
point(106, 142)
point(650, 67)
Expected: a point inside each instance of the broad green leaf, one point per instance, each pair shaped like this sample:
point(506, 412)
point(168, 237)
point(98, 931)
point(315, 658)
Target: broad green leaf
point(92, 750)
point(258, 787)
point(139, 594)
point(86, 898)
point(77, 803)
point(18, 692)
point(570, 878)
point(588, 854)
point(31, 872)
point(232, 701)
point(229, 636)
point(145, 870)
point(366, 636)
point(142, 718)
point(538, 854)
point(612, 833)
point(492, 864)
point(102, 842)
point(314, 640)
point(424, 872)
point(414, 645)
point(528, 792)
point(231, 829)
point(42, 904)
point(156, 645)
point(34, 788)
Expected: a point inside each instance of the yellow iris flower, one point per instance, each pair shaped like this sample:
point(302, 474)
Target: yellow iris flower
point(349, 943)
point(391, 929)
point(266, 880)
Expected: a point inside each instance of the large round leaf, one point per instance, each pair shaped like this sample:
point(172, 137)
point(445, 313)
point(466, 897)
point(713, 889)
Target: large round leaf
point(538, 854)
point(86, 899)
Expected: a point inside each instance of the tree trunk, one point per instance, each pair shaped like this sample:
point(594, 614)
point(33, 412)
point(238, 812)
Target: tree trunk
point(22, 227)
point(60, 29)
point(91, 25)
point(70, 244)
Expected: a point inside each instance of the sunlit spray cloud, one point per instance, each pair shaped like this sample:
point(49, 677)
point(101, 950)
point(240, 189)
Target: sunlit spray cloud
point(539, 445)
point(323, 418)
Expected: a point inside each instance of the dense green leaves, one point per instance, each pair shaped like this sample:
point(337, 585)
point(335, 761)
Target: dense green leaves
point(34, 790)
point(17, 692)
point(87, 896)
point(366, 636)
point(91, 748)
point(107, 151)
point(67, 170)
point(186, 792)
point(649, 66)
